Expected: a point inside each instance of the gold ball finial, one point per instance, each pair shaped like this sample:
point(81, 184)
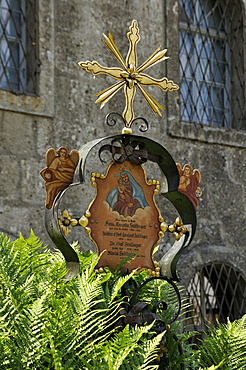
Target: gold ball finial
point(126, 130)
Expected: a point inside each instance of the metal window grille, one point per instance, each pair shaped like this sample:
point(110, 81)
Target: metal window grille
point(216, 291)
point(18, 46)
point(211, 63)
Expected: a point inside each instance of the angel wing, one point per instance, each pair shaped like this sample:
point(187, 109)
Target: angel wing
point(197, 175)
point(50, 155)
point(179, 169)
point(74, 156)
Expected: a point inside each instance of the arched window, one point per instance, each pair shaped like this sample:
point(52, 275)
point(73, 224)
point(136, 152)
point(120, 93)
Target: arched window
point(211, 62)
point(216, 291)
point(18, 49)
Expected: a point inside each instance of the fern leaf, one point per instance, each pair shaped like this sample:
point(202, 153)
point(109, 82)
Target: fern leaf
point(119, 284)
point(57, 358)
point(122, 344)
point(150, 352)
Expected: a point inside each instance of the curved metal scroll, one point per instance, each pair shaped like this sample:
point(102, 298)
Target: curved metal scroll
point(113, 118)
point(138, 313)
point(170, 191)
point(163, 304)
point(56, 235)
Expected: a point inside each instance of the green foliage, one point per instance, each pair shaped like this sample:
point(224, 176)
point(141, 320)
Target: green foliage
point(47, 322)
point(213, 367)
point(225, 346)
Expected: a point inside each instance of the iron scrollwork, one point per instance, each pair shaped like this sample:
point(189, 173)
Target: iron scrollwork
point(137, 149)
point(132, 150)
point(140, 313)
point(113, 118)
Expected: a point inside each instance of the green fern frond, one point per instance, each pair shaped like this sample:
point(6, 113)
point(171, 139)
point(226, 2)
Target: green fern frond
point(119, 284)
point(225, 343)
point(122, 344)
point(94, 328)
point(150, 352)
point(213, 367)
point(56, 356)
point(49, 323)
point(124, 262)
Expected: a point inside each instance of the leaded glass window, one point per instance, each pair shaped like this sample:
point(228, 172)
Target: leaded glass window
point(216, 291)
point(18, 46)
point(211, 62)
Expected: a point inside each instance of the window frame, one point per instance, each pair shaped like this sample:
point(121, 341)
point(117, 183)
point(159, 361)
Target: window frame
point(204, 293)
point(233, 136)
point(197, 107)
point(18, 74)
point(40, 103)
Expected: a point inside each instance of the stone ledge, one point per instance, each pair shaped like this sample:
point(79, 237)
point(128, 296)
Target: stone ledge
point(203, 254)
point(208, 134)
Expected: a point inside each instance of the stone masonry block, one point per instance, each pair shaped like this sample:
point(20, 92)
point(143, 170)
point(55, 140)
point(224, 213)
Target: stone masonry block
point(32, 186)
point(44, 129)
point(10, 177)
point(18, 134)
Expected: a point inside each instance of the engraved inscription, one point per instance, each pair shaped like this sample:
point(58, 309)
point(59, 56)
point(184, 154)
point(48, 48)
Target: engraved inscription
point(128, 219)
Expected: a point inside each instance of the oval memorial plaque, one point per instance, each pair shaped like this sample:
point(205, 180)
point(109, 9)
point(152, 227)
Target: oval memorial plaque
point(124, 220)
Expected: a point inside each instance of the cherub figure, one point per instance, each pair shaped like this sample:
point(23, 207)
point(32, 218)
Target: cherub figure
point(188, 183)
point(59, 172)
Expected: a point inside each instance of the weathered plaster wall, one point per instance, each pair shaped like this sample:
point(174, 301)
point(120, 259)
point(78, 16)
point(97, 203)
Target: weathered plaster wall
point(64, 113)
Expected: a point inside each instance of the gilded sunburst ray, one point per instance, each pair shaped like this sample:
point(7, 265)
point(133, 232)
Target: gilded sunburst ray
point(130, 75)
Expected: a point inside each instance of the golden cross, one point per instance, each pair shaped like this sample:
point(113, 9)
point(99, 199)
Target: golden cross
point(130, 76)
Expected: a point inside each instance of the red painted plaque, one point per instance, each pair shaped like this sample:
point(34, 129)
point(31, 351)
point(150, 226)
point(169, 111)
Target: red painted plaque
point(123, 218)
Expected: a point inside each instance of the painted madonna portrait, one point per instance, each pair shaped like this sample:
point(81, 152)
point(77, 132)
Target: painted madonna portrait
point(127, 197)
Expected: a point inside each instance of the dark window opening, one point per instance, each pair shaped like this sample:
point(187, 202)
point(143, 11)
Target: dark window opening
point(18, 46)
point(216, 292)
point(211, 63)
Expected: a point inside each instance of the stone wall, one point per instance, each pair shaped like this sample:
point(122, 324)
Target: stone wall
point(64, 113)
